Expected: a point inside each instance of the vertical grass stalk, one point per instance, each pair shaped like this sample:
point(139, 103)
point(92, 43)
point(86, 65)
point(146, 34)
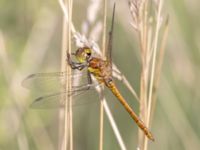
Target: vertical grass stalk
point(67, 141)
point(63, 135)
point(80, 40)
point(101, 130)
point(155, 49)
point(148, 34)
point(70, 7)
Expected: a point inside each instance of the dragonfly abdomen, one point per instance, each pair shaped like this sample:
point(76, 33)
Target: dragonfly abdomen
point(138, 121)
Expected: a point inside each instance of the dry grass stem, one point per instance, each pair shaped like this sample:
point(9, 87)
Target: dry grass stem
point(81, 40)
point(66, 45)
point(155, 49)
point(102, 98)
point(119, 76)
point(69, 86)
point(159, 67)
point(66, 15)
point(148, 36)
point(62, 124)
point(101, 126)
point(114, 126)
point(34, 40)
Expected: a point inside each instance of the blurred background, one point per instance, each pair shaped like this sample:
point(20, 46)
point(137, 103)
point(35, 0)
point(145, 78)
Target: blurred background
point(30, 41)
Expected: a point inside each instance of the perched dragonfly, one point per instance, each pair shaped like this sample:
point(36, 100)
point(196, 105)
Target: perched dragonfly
point(98, 68)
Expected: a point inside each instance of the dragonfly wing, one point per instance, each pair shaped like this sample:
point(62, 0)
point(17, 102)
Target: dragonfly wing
point(81, 95)
point(49, 101)
point(55, 81)
point(110, 39)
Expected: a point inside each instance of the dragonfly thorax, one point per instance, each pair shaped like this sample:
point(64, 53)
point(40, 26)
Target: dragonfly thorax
point(100, 68)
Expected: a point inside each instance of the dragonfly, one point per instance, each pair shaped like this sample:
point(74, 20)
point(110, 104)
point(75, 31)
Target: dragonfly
point(99, 68)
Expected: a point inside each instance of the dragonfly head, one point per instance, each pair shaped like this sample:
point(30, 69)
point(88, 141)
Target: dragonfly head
point(83, 54)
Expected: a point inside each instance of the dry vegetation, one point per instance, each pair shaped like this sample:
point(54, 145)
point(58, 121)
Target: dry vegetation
point(33, 39)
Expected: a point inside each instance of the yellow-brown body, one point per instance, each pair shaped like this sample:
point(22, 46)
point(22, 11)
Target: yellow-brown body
point(102, 71)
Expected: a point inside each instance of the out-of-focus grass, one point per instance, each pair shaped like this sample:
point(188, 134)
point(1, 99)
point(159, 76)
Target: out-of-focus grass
point(30, 42)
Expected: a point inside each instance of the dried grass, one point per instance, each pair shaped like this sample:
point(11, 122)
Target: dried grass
point(80, 41)
point(148, 33)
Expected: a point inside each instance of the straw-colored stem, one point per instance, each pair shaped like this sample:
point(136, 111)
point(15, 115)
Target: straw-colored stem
point(143, 85)
point(66, 45)
point(119, 76)
point(62, 126)
point(104, 29)
point(101, 93)
point(66, 15)
point(69, 82)
point(158, 67)
point(107, 110)
point(153, 69)
point(127, 84)
point(101, 128)
point(114, 126)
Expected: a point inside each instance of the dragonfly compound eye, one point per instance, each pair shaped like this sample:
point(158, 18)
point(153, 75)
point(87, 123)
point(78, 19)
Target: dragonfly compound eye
point(88, 52)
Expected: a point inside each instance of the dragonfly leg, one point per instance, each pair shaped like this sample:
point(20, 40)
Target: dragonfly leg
point(75, 65)
point(89, 79)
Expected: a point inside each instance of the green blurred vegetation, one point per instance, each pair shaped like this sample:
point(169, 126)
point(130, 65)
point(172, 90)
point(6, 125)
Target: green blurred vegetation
point(30, 41)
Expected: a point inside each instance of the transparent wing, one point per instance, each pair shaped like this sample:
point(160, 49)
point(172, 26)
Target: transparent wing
point(54, 82)
point(81, 95)
point(51, 86)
